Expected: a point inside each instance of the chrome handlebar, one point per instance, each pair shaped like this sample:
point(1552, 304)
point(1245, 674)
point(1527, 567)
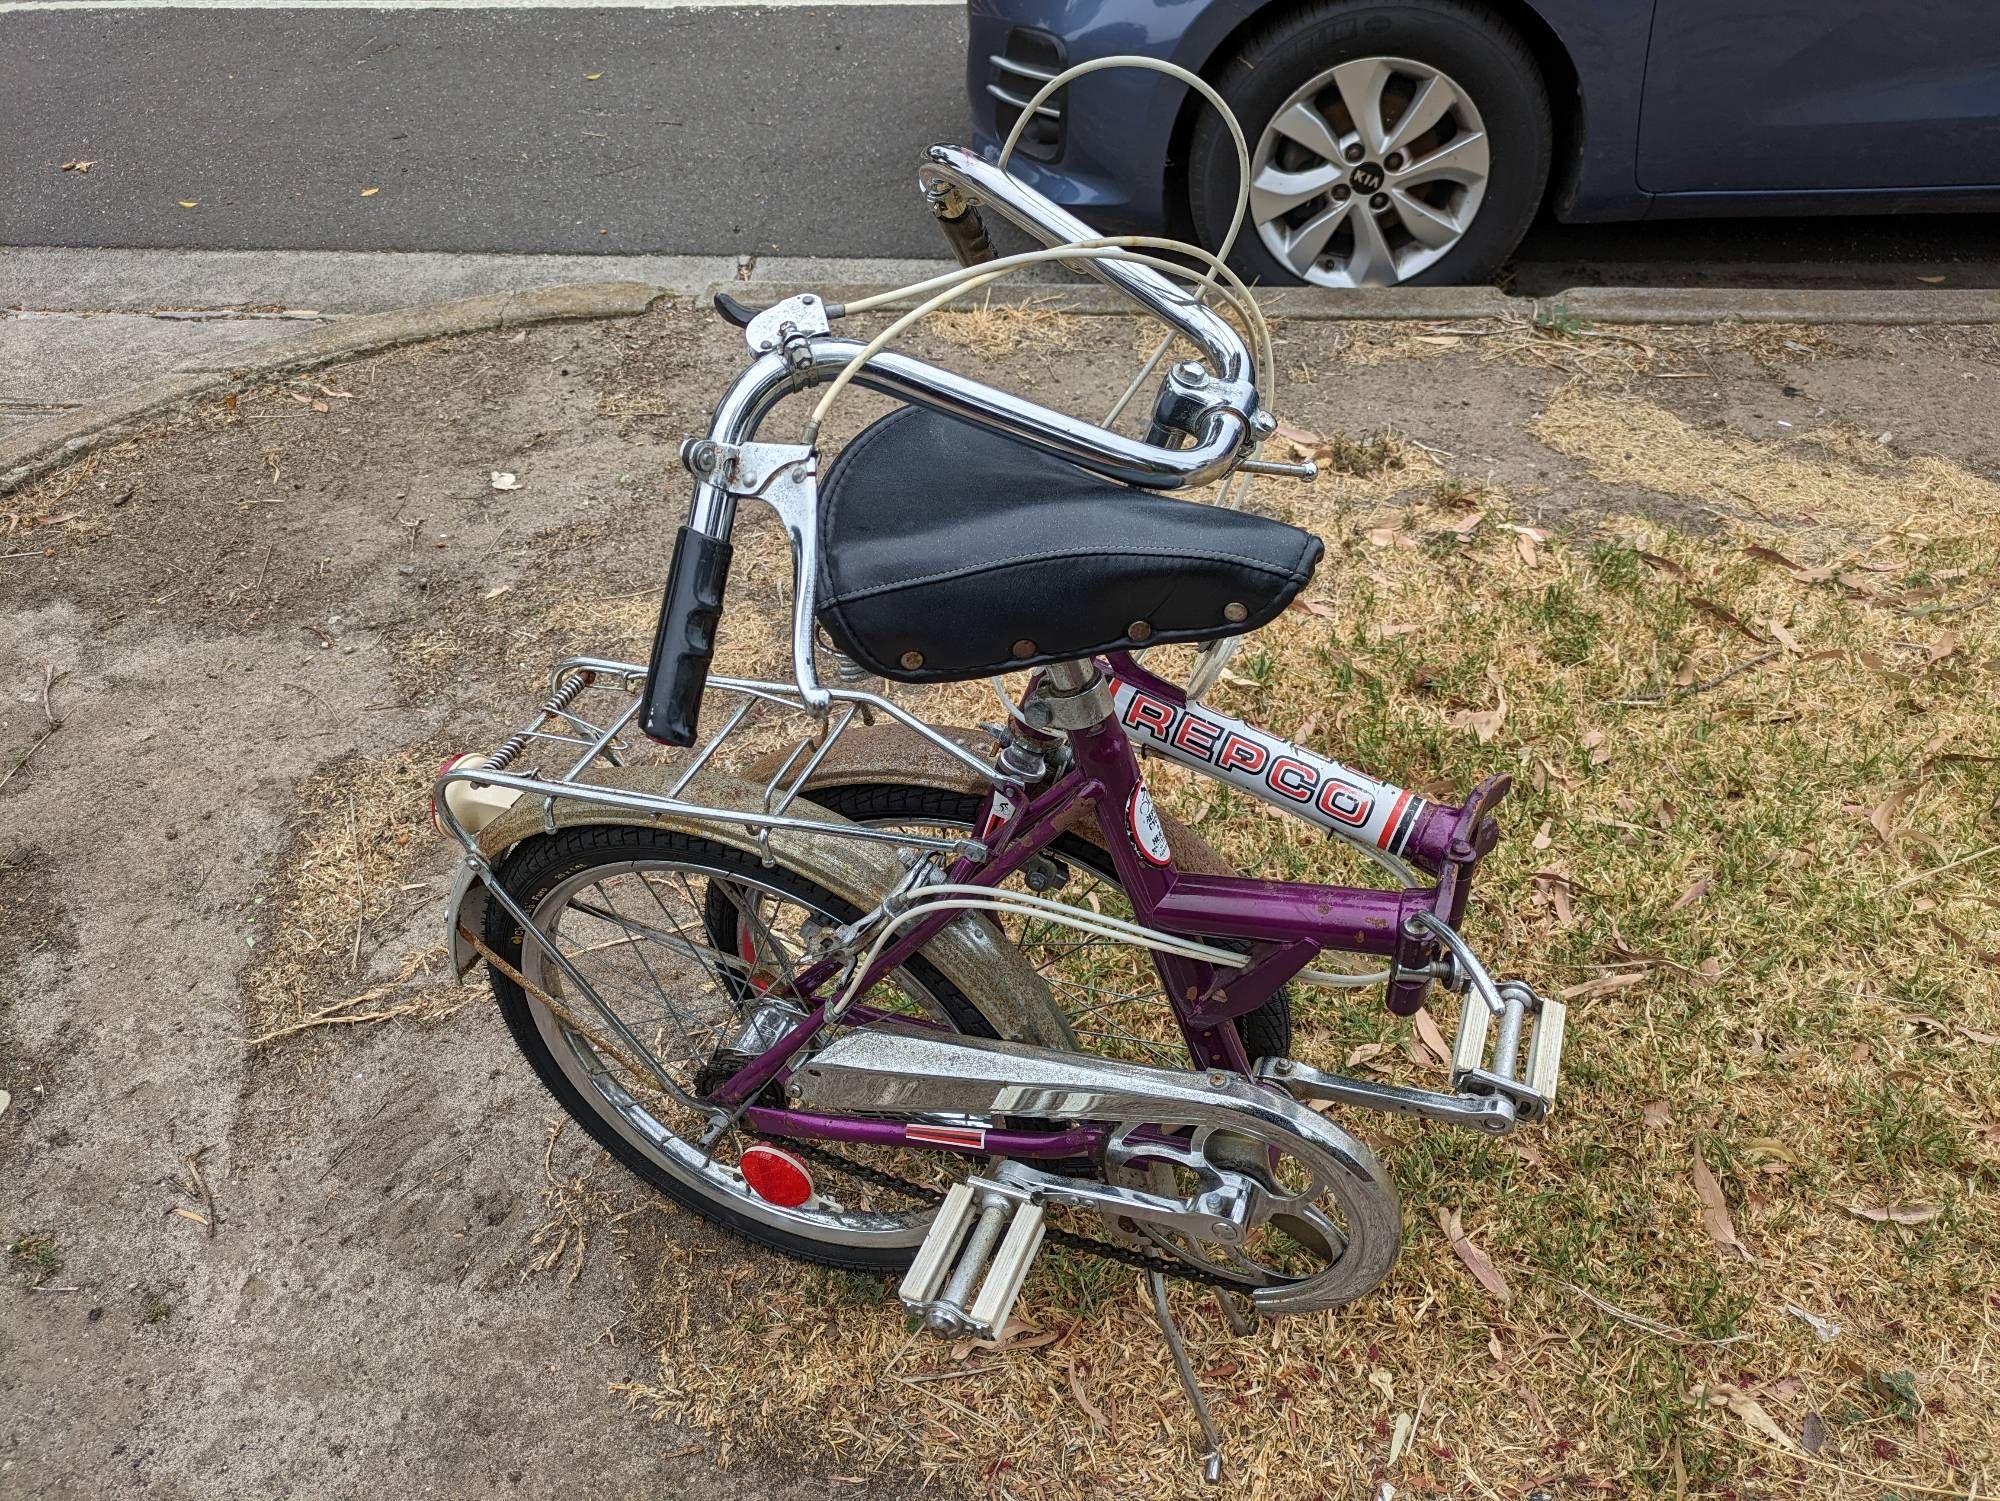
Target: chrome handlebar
point(948, 167)
point(1213, 405)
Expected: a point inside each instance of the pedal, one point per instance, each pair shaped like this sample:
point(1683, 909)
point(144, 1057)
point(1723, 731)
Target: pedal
point(969, 1270)
point(1527, 1023)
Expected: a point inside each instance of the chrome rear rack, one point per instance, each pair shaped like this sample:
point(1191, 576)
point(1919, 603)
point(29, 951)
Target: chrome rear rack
point(585, 727)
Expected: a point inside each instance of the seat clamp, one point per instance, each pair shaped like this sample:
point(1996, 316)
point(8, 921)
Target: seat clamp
point(1070, 696)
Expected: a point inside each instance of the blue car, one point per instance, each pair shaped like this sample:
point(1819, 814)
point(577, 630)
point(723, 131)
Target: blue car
point(1401, 141)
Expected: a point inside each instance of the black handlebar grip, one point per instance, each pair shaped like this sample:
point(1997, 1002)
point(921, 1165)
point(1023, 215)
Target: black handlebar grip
point(686, 638)
point(969, 240)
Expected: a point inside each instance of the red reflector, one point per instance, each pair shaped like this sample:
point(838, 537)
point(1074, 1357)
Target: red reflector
point(775, 1175)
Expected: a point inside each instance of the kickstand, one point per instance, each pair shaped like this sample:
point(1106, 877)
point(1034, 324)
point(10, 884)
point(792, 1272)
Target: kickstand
point(1211, 1470)
point(1238, 1312)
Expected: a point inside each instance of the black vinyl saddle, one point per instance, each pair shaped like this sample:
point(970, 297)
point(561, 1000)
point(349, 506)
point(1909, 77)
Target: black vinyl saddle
point(948, 551)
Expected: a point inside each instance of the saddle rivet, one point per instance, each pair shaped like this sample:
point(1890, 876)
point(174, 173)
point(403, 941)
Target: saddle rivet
point(1139, 630)
point(911, 660)
point(1024, 648)
point(1234, 612)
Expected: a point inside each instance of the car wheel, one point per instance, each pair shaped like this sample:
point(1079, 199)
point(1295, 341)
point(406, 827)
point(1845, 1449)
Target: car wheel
point(1405, 141)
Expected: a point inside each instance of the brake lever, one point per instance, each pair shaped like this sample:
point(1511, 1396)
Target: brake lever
point(733, 311)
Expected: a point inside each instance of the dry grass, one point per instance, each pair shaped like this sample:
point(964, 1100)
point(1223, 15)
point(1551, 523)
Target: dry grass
point(1009, 329)
point(1780, 964)
point(1754, 830)
point(363, 830)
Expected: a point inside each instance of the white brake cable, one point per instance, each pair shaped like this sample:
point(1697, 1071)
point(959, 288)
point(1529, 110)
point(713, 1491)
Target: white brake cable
point(968, 278)
point(966, 898)
point(1201, 86)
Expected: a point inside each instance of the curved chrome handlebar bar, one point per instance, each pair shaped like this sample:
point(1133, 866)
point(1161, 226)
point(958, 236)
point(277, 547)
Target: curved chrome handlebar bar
point(773, 377)
point(1214, 406)
point(982, 182)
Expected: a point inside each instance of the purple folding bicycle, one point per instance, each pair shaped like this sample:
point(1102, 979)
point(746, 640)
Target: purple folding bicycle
point(923, 999)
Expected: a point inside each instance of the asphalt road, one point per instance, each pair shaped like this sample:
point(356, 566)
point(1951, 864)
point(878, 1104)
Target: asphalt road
point(740, 130)
point(756, 130)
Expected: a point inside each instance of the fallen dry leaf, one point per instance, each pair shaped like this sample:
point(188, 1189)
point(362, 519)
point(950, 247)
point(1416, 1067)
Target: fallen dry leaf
point(1366, 1052)
point(1542, 839)
point(1484, 723)
point(1784, 637)
point(1091, 1410)
point(1655, 1113)
point(592, 77)
point(1689, 897)
point(1484, 1272)
point(1318, 607)
point(1747, 1408)
point(1554, 886)
point(190, 203)
point(369, 192)
point(1018, 1335)
point(1600, 750)
point(1433, 1042)
point(79, 166)
point(1715, 1209)
point(1604, 983)
point(1895, 1214)
point(1885, 815)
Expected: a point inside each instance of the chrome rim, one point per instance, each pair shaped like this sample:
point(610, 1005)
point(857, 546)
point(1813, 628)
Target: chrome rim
point(635, 930)
point(1370, 174)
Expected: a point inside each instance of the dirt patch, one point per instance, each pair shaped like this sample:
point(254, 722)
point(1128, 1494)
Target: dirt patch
point(259, 613)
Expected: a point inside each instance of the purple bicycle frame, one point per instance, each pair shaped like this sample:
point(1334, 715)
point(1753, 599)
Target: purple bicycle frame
point(1280, 925)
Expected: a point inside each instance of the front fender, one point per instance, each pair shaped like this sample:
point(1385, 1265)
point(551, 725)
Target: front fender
point(973, 955)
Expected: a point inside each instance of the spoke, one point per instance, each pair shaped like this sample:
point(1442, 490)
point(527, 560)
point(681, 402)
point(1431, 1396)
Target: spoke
point(1274, 192)
point(1427, 225)
point(1372, 263)
point(1307, 126)
point(1433, 98)
point(1463, 159)
point(702, 954)
point(1361, 84)
point(646, 963)
point(761, 936)
point(1308, 242)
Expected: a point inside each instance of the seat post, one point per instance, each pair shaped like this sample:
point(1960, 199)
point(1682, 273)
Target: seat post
point(1075, 695)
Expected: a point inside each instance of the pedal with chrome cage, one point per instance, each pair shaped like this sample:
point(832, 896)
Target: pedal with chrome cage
point(968, 1273)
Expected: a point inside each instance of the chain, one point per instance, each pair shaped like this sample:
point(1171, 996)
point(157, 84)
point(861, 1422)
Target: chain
point(1132, 1256)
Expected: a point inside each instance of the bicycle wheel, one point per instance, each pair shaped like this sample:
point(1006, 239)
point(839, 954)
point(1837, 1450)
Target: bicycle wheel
point(627, 906)
point(1109, 990)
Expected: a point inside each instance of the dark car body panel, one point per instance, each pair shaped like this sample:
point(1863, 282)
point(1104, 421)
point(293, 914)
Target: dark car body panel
point(1846, 81)
point(1801, 96)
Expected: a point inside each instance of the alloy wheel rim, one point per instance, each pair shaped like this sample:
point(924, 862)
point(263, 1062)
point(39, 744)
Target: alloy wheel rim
point(1370, 173)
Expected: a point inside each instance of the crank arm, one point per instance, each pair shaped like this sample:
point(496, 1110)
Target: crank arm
point(1494, 1115)
point(1222, 1213)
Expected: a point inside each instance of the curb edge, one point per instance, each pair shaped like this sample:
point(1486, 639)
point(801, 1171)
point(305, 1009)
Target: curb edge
point(35, 451)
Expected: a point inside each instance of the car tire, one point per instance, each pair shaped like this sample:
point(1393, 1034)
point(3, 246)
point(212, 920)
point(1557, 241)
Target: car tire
point(1486, 68)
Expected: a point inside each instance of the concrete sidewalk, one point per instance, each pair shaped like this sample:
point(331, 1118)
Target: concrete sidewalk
point(77, 327)
point(233, 645)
